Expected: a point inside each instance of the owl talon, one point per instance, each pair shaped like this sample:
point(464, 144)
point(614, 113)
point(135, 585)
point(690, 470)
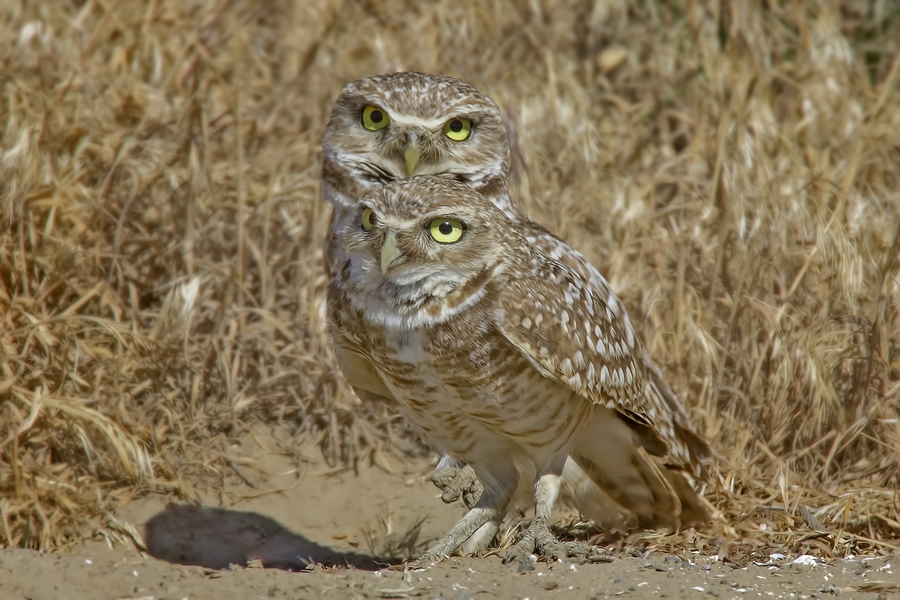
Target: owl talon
point(424, 562)
point(456, 482)
point(537, 539)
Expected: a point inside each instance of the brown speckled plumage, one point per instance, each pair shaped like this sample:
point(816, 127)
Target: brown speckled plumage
point(502, 356)
point(357, 161)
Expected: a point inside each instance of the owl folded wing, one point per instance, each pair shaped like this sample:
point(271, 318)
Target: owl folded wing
point(571, 335)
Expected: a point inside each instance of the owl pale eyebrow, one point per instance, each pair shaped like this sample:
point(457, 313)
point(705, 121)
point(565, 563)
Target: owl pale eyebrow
point(397, 223)
point(411, 121)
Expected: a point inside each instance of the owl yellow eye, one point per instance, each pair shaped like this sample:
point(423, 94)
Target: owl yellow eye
point(369, 219)
point(446, 231)
point(458, 129)
point(374, 118)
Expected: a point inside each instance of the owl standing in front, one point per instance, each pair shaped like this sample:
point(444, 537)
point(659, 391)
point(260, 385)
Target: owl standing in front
point(391, 127)
point(498, 354)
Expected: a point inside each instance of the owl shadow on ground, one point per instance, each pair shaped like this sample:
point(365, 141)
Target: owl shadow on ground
point(217, 538)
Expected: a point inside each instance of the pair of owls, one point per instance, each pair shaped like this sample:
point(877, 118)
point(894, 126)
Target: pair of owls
point(504, 348)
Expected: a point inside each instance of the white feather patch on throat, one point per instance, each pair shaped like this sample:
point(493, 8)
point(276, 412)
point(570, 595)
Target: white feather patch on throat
point(408, 299)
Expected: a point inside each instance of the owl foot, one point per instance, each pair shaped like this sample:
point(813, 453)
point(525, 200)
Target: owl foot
point(537, 539)
point(482, 522)
point(424, 562)
point(456, 480)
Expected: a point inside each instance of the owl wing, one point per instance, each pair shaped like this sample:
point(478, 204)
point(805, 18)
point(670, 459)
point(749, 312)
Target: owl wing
point(575, 337)
point(357, 369)
point(687, 447)
point(360, 373)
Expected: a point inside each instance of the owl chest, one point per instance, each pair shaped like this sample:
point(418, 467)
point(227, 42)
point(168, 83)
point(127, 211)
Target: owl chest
point(473, 387)
point(423, 367)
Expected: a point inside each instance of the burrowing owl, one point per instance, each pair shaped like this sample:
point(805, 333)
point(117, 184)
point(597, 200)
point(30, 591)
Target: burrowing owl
point(390, 127)
point(499, 354)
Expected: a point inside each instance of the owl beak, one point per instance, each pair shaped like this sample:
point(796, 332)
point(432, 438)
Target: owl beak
point(390, 253)
point(411, 155)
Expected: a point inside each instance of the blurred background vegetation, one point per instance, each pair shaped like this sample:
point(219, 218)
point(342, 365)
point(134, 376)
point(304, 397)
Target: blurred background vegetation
point(732, 167)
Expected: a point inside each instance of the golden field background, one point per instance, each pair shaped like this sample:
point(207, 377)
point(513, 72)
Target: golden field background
point(733, 167)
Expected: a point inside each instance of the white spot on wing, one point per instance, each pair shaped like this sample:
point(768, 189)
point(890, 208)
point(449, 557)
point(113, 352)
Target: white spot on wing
point(579, 360)
point(575, 382)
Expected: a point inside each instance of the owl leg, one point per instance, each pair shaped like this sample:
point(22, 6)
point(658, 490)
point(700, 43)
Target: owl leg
point(455, 478)
point(481, 539)
point(478, 526)
point(538, 537)
point(471, 522)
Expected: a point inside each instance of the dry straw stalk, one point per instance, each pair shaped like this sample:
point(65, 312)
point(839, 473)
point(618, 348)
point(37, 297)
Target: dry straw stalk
point(732, 167)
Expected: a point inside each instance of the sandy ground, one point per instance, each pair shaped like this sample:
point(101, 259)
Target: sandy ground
point(339, 518)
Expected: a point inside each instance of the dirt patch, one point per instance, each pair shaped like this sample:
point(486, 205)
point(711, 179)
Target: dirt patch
point(97, 572)
point(343, 533)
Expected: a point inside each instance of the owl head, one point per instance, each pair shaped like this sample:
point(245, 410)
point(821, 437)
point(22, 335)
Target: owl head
point(394, 126)
point(426, 245)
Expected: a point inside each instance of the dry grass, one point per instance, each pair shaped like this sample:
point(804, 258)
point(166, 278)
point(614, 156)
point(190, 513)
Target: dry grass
point(732, 167)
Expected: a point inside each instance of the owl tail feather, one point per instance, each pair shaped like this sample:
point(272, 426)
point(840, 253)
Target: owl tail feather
point(613, 481)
